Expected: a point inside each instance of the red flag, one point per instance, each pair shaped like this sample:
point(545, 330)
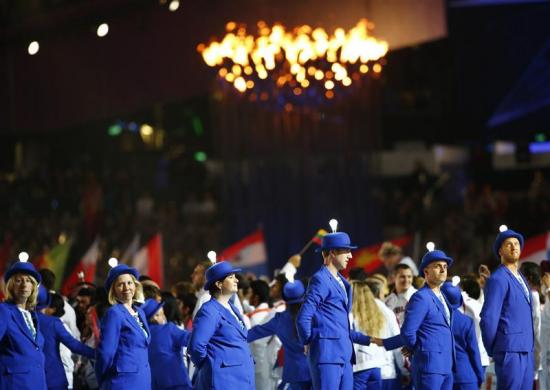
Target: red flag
point(367, 257)
point(149, 260)
point(536, 248)
point(85, 268)
point(248, 252)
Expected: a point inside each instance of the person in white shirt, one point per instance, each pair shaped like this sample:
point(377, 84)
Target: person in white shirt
point(261, 314)
point(370, 316)
point(531, 271)
point(398, 299)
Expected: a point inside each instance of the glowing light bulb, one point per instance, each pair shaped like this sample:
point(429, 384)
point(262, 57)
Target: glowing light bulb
point(23, 257)
point(430, 246)
point(212, 256)
point(33, 48)
point(113, 262)
point(502, 228)
point(333, 223)
point(102, 30)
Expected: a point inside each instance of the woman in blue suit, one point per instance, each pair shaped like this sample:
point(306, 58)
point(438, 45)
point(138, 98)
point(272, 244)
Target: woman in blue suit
point(218, 345)
point(283, 325)
point(21, 342)
point(54, 333)
point(122, 360)
point(166, 350)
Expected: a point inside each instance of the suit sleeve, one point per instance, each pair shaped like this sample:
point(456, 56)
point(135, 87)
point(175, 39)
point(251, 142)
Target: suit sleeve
point(490, 313)
point(359, 338)
point(180, 337)
point(264, 330)
point(3, 320)
point(316, 294)
point(111, 325)
point(415, 312)
point(204, 327)
point(70, 342)
point(473, 351)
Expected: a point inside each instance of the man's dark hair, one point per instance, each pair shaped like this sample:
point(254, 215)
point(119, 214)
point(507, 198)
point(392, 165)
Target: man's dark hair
point(144, 277)
point(531, 271)
point(357, 274)
point(401, 266)
point(189, 300)
point(471, 287)
point(261, 289)
point(58, 305)
point(48, 278)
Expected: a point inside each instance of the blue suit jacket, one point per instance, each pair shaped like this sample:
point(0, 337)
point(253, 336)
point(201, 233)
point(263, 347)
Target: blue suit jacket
point(295, 368)
point(426, 333)
point(323, 320)
point(21, 357)
point(219, 349)
point(468, 367)
point(122, 358)
point(166, 356)
point(506, 319)
point(55, 333)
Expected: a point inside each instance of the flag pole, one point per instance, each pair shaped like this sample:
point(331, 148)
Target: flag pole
point(306, 247)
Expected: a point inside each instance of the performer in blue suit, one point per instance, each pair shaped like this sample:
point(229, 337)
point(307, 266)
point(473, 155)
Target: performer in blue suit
point(122, 359)
point(21, 342)
point(218, 345)
point(426, 330)
point(323, 322)
point(283, 325)
point(506, 319)
point(54, 333)
point(468, 373)
point(166, 350)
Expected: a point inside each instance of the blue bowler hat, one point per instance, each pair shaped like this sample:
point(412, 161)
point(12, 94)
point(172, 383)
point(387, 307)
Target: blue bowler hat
point(430, 257)
point(115, 272)
point(44, 298)
point(150, 307)
point(22, 268)
point(219, 271)
point(293, 292)
point(502, 236)
point(338, 240)
point(453, 294)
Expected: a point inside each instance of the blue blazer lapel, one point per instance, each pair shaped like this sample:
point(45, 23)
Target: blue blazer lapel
point(132, 321)
point(518, 284)
point(440, 307)
point(335, 285)
point(20, 321)
point(231, 318)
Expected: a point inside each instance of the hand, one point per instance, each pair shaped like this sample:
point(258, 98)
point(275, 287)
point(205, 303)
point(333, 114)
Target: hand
point(295, 260)
point(406, 352)
point(484, 271)
point(377, 341)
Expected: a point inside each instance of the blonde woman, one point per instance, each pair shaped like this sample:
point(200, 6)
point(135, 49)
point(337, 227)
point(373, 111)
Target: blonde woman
point(21, 343)
point(122, 360)
point(369, 315)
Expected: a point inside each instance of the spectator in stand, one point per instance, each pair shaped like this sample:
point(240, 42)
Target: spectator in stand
point(122, 359)
point(22, 344)
point(218, 345)
point(402, 292)
point(392, 254)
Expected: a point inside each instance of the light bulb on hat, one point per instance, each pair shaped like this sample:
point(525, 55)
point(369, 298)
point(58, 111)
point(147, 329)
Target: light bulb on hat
point(113, 262)
point(502, 228)
point(212, 257)
point(23, 257)
point(455, 280)
point(430, 246)
point(333, 223)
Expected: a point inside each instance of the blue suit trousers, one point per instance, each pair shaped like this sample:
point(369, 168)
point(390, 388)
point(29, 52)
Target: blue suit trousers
point(367, 379)
point(424, 381)
point(332, 376)
point(515, 370)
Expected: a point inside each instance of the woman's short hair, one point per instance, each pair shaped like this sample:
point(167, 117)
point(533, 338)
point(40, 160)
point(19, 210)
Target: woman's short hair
point(10, 295)
point(138, 294)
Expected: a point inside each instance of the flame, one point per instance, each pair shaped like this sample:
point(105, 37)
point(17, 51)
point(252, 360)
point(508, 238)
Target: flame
point(306, 56)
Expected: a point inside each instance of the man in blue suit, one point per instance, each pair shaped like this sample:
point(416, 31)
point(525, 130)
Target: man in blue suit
point(506, 319)
point(323, 321)
point(426, 331)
